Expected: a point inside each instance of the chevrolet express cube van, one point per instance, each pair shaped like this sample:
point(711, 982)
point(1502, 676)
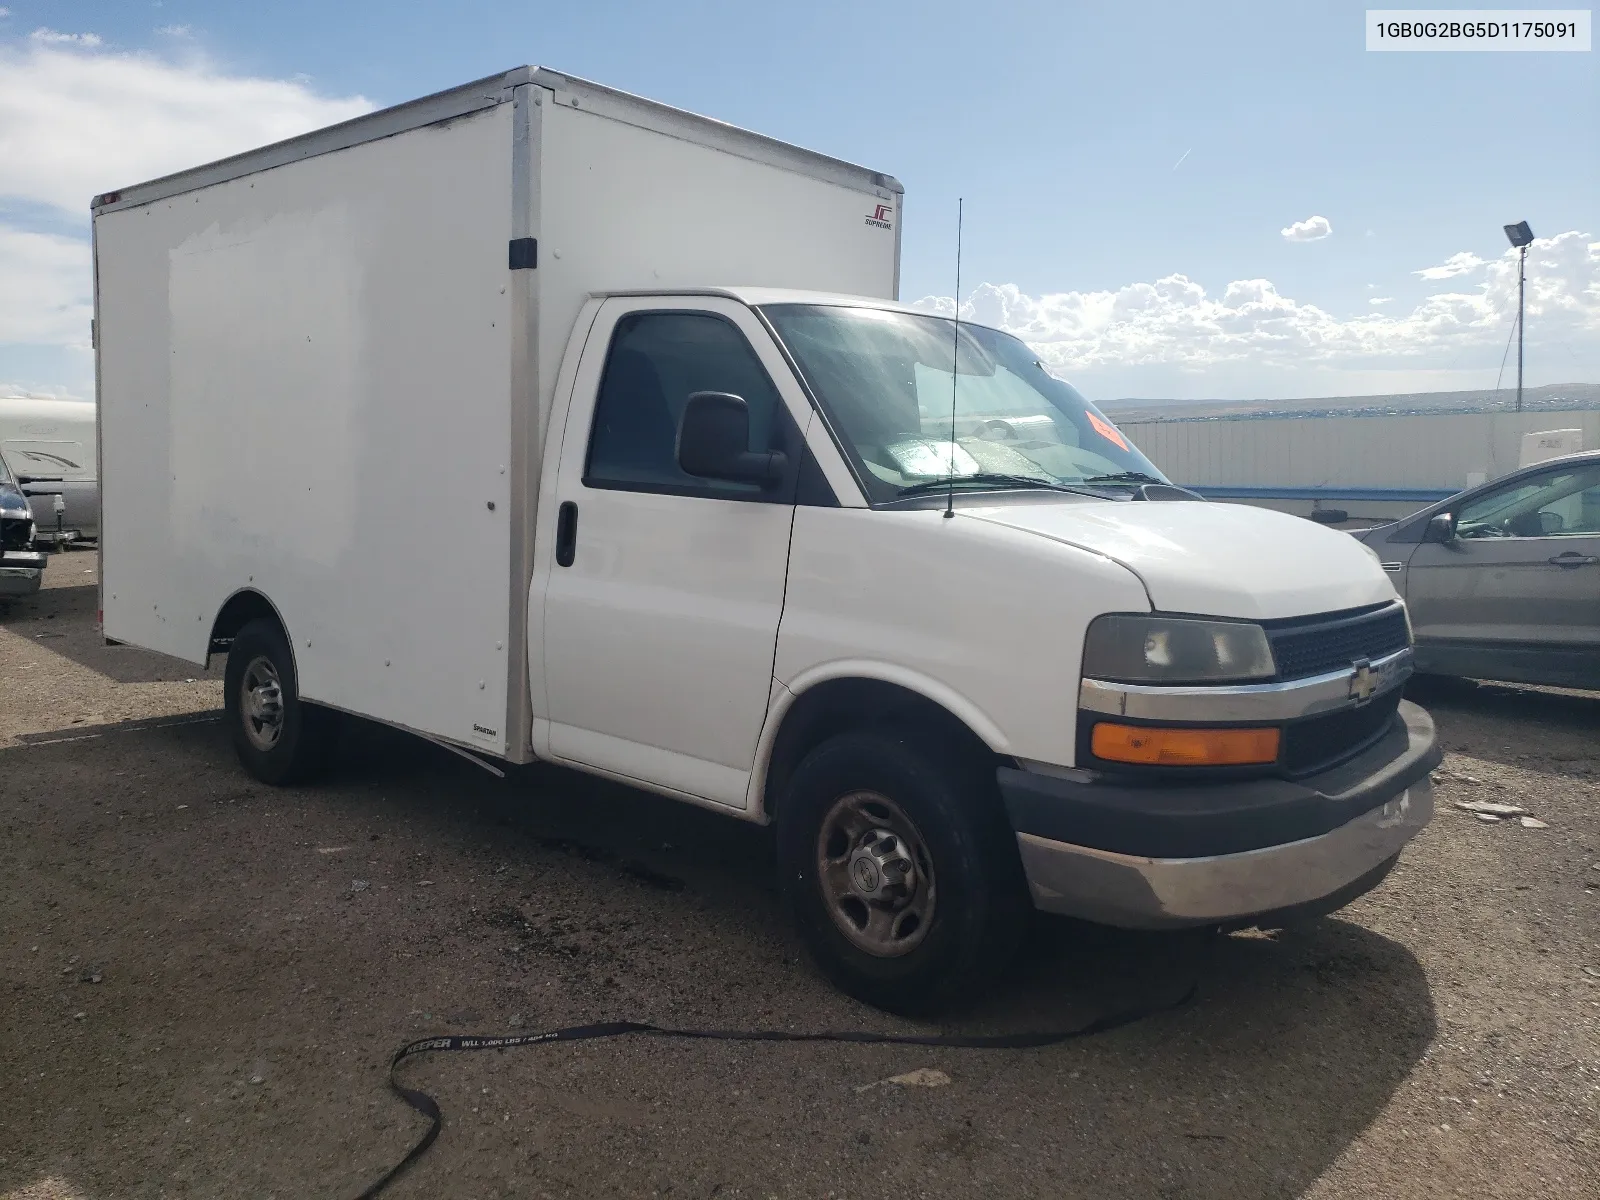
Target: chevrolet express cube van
point(722, 520)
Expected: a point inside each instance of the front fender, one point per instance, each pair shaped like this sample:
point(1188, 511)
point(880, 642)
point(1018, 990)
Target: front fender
point(985, 621)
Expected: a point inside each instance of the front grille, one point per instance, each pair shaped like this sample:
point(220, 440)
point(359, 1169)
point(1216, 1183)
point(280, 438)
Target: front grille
point(1305, 648)
point(1318, 742)
point(14, 533)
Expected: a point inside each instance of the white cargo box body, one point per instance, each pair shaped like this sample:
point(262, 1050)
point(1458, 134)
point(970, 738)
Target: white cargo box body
point(325, 366)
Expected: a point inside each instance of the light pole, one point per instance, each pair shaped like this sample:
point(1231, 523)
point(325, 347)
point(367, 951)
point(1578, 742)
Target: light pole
point(1520, 236)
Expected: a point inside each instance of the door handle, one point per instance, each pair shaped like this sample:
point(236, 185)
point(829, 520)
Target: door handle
point(566, 533)
point(1573, 559)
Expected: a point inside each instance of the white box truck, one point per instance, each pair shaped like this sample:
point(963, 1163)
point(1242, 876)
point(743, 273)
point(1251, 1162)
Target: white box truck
point(550, 423)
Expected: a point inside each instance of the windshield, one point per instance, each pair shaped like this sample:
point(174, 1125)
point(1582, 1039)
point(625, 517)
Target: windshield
point(886, 382)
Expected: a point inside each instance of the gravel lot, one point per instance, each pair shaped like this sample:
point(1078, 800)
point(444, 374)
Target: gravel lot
point(204, 978)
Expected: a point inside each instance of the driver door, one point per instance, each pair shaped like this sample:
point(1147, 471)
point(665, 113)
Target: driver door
point(660, 614)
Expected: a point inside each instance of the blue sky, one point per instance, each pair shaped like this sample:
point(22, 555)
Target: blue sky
point(1102, 149)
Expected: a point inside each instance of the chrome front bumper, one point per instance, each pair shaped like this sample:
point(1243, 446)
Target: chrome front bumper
point(1154, 893)
point(20, 573)
point(1150, 856)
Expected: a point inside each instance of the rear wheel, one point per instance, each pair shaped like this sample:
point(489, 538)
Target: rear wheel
point(278, 737)
point(901, 870)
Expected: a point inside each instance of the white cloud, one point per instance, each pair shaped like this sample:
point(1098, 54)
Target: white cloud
point(1312, 229)
point(1456, 264)
point(50, 37)
point(11, 391)
point(4, 13)
point(1252, 331)
point(76, 121)
point(176, 31)
point(44, 289)
point(1377, 300)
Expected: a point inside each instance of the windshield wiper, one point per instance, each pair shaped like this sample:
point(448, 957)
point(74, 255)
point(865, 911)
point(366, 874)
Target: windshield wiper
point(1123, 477)
point(991, 478)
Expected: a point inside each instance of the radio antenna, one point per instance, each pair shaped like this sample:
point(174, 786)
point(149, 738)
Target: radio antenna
point(955, 362)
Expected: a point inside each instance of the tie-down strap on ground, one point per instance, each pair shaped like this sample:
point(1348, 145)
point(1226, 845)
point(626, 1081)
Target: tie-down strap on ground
point(429, 1107)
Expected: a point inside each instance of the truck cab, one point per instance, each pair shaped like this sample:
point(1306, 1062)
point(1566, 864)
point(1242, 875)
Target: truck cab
point(1015, 663)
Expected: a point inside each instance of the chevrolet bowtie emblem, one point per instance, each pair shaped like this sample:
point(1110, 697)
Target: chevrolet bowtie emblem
point(1363, 681)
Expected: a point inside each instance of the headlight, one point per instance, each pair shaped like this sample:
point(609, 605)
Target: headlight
point(1146, 649)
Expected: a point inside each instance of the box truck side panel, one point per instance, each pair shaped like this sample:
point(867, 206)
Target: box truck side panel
point(624, 207)
point(306, 379)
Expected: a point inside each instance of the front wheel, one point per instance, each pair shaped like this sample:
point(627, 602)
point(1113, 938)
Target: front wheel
point(901, 871)
point(278, 737)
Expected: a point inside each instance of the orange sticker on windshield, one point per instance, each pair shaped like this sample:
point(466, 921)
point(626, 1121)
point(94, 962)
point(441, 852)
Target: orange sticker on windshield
point(1105, 428)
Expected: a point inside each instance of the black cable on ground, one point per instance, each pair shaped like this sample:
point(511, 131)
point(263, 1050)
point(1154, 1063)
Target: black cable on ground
point(429, 1107)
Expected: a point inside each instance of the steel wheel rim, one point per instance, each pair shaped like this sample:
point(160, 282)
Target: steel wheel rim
point(261, 703)
point(875, 874)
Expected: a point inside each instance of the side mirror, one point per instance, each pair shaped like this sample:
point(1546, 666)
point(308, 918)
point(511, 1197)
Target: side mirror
point(714, 440)
point(1441, 528)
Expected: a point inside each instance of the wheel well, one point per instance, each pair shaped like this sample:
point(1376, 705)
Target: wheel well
point(241, 608)
point(844, 704)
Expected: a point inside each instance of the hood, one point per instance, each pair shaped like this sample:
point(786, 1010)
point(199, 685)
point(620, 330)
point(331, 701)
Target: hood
point(1221, 560)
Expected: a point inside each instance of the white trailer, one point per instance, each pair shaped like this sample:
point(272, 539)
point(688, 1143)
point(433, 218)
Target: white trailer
point(49, 445)
point(550, 423)
point(326, 366)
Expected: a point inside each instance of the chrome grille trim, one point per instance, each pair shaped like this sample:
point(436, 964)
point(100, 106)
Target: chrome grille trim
point(1317, 694)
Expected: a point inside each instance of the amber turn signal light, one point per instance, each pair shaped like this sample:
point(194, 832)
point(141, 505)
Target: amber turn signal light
point(1165, 747)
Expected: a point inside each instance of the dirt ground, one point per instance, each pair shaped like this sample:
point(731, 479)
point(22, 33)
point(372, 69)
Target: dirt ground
point(204, 979)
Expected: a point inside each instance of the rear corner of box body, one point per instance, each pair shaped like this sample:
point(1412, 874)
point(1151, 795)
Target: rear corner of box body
point(306, 390)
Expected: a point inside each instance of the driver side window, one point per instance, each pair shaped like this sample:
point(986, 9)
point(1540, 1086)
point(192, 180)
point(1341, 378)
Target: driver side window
point(657, 360)
point(1560, 504)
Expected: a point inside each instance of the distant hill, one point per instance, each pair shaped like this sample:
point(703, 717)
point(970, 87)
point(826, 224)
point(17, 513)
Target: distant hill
point(1553, 397)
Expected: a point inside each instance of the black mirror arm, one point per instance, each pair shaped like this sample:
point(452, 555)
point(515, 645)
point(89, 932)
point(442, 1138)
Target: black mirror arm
point(1441, 529)
point(766, 468)
point(752, 466)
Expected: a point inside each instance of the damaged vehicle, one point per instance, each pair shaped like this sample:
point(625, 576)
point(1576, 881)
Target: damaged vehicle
point(21, 566)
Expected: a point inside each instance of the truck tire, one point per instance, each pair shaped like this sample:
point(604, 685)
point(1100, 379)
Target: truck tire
point(901, 870)
point(279, 738)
